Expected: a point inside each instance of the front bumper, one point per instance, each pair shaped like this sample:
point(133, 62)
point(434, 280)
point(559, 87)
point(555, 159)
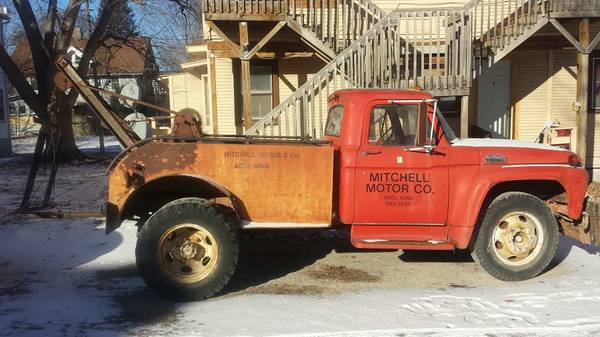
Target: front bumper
point(587, 229)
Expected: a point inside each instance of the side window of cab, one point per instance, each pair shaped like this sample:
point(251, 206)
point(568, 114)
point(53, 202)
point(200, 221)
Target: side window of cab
point(394, 125)
point(334, 121)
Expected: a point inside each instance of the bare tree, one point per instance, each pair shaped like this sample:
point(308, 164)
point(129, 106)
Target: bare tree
point(171, 28)
point(48, 31)
point(49, 35)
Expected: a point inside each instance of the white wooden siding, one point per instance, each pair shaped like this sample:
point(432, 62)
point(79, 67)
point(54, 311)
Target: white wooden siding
point(564, 87)
point(532, 92)
point(225, 96)
point(388, 5)
point(186, 90)
point(547, 87)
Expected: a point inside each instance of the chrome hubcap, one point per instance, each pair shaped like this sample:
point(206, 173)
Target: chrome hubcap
point(517, 238)
point(187, 253)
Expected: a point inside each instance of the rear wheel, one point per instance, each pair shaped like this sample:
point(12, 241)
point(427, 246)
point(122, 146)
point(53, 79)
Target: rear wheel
point(187, 250)
point(518, 237)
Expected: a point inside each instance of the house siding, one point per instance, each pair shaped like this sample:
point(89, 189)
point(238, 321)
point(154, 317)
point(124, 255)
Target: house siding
point(225, 96)
point(389, 5)
point(531, 90)
point(546, 89)
point(186, 91)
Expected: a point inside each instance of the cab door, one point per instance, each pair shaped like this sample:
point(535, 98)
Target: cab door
point(397, 183)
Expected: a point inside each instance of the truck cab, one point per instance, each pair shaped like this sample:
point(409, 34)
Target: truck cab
point(406, 181)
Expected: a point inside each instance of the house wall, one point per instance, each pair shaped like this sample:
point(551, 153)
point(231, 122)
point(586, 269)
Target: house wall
point(292, 74)
point(544, 88)
point(186, 91)
point(388, 5)
point(226, 106)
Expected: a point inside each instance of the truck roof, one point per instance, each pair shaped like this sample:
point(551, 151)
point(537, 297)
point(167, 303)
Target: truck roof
point(372, 94)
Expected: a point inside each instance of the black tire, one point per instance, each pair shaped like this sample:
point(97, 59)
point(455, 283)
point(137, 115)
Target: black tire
point(192, 211)
point(489, 251)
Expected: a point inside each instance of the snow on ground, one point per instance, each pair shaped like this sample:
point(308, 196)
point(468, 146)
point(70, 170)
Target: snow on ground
point(67, 278)
point(26, 145)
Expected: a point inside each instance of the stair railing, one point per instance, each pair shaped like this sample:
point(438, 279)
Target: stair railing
point(396, 53)
point(336, 23)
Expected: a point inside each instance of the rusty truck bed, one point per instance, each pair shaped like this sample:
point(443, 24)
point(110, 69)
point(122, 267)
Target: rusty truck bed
point(272, 182)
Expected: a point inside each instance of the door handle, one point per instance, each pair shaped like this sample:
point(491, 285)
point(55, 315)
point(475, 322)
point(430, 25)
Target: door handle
point(366, 153)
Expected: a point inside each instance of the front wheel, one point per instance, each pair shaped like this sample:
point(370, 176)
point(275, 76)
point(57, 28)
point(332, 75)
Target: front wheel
point(187, 250)
point(517, 238)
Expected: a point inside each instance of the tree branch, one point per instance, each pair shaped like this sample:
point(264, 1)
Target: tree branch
point(66, 27)
point(18, 80)
point(95, 40)
point(92, 45)
point(36, 43)
point(50, 23)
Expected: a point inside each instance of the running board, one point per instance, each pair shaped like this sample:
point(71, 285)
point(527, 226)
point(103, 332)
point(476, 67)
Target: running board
point(401, 237)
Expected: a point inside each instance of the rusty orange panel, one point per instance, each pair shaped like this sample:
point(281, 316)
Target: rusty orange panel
point(276, 183)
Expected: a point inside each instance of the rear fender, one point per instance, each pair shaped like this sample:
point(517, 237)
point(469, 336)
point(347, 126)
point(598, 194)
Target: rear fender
point(150, 196)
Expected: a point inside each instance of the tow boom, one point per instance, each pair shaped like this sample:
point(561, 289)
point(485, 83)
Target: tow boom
point(117, 126)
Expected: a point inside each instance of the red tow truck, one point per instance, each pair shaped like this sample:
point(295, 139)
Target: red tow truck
point(389, 167)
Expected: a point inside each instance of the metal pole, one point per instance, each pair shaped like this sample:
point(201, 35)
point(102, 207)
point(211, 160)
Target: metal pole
point(4, 97)
point(100, 128)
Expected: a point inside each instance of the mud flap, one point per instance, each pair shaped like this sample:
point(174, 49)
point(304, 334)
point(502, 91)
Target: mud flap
point(587, 229)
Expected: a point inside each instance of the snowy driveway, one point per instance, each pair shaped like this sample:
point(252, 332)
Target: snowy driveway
point(66, 278)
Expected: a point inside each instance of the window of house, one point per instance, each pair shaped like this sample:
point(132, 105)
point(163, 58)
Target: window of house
point(261, 90)
point(596, 84)
point(394, 125)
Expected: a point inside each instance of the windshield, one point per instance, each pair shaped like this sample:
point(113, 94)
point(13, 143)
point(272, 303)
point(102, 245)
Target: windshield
point(450, 135)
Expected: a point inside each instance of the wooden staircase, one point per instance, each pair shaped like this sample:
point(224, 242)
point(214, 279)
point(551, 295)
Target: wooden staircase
point(439, 50)
point(327, 26)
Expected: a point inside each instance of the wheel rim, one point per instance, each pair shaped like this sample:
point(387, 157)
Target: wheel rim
point(517, 239)
point(187, 253)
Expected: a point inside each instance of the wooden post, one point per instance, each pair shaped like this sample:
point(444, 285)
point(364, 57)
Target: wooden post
point(212, 78)
point(464, 117)
point(583, 64)
point(245, 67)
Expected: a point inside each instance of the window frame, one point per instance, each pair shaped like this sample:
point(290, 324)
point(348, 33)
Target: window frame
point(374, 106)
point(254, 93)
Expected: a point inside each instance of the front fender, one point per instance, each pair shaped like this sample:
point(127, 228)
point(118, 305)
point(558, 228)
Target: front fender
point(462, 222)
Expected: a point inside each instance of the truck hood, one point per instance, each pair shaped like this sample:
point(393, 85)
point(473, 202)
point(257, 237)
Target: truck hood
point(506, 151)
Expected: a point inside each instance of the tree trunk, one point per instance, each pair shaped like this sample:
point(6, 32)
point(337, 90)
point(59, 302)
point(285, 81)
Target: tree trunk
point(67, 150)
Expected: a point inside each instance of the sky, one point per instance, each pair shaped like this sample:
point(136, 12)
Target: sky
point(154, 18)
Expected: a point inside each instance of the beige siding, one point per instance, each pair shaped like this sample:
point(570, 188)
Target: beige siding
point(546, 90)
point(532, 93)
point(388, 5)
point(186, 91)
point(225, 96)
point(564, 87)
